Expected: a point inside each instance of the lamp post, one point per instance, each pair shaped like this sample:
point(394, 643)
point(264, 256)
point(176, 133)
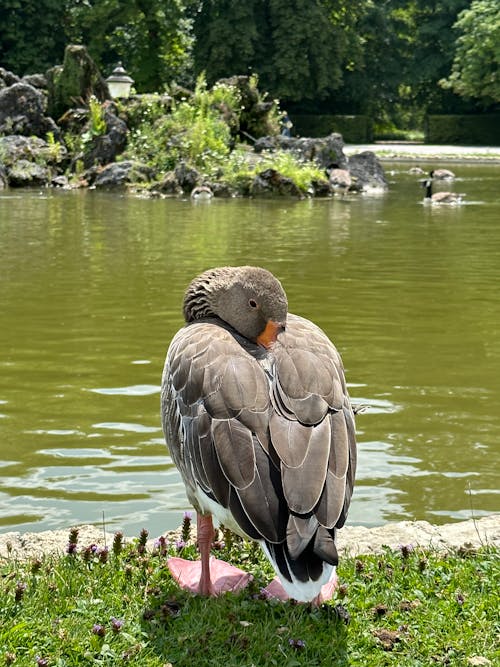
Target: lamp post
point(119, 83)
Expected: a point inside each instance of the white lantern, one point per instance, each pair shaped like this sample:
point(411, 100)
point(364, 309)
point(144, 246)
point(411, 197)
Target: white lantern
point(119, 83)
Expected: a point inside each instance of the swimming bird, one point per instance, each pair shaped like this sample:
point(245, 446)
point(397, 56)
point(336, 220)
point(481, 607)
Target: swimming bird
point(340, 179)
point(453, 198)
point(258, 420)
point(202, 192)
point(442, 174)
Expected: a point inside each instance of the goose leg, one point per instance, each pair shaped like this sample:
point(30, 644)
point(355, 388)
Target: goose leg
point(206, 532)
point(208, 576)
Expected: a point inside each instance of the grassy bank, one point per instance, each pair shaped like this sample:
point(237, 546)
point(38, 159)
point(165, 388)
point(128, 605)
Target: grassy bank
point(119, 605)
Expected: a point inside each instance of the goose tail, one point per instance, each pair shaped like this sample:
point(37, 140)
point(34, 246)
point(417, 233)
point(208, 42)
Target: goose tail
point(304, 571)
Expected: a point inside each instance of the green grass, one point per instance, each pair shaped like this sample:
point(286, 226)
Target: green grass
point(98, 607)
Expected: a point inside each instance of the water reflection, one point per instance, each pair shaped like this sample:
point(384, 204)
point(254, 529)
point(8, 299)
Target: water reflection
point(91, 286)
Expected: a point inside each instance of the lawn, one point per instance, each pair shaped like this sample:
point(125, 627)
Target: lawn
point(118, 605)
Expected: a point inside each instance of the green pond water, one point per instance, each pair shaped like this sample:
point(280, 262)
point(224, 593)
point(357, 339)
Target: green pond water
point(91, 286)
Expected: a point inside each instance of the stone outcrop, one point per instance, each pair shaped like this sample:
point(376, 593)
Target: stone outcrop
point(367, 172)
point(30, 160)
point(22, 112)
point(105, 148)
point(270, 183)
point(121, 174)
point(85, 145)
point(322, 150)
point(74, 82)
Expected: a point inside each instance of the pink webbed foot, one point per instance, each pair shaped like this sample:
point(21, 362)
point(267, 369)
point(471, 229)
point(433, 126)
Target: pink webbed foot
point(223, 576)
point(276, 590)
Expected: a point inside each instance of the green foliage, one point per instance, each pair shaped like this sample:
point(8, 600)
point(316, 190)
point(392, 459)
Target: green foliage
point(30, 36)
point(151, 37)
point(297, 48)
point(354, 129)
point(97, 124)
point(198, 130)
point(477, 55)
point(239, 170)
point(121, 606)
point(480, 130)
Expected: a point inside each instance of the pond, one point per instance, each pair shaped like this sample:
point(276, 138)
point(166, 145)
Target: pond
point(91, 286)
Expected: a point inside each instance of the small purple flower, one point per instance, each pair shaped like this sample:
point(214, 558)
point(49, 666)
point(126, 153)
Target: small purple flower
point(179, 545)
point(98, 630)
point(72, 548)
point(161, 545)
point(20, 591)
point(186, 526)
point(116, 624)
point(103, 554)
point(406, 549)
point(117, 543)
point(41, 662)
point(297, 644)
point(73, 535)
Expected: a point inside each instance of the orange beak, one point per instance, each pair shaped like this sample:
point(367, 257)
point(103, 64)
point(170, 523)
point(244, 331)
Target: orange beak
point(270, 333)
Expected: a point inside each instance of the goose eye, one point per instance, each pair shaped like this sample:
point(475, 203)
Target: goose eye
point(252, 303)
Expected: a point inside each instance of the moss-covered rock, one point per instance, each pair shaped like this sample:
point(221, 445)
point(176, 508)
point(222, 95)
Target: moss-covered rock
point(76, 80)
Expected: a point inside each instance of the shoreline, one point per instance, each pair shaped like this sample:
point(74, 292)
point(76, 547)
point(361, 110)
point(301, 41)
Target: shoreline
point(351, 540)
point(388, 151)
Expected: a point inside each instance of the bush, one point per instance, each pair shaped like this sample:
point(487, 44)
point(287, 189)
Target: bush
point(479, 129)
point(198, 129)
point(354, 129)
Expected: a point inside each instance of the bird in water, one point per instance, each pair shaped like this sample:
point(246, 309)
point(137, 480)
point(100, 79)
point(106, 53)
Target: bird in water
point(340, 179)
point(202, 192)
point(453, 198)
point(259, 422)
point(442, 174)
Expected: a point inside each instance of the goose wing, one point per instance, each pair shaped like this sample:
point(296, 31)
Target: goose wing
point(266, 435)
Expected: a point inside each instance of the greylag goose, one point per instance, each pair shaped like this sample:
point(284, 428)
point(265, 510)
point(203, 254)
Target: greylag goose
point(258, 421)
point(453, 198)
point(340, 179)
point(202, 192)
point(442, 174)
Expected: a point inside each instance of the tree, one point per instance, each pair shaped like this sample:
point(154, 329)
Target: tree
point(227, 38)
point(476, 65)
point(151, 37)
point(432, 50)
point(29, 42)
point(297, 47)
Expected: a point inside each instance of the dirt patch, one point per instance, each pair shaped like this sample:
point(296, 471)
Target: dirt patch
point(352, 540)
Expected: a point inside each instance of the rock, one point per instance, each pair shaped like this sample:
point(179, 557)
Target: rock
point(353, 540)
point(31, 160)
point(35, 80)
point(4, 181)
point(60, 181)
point(367, 173)
point(321, 188)
point(78, 78)
point(7, 78)
point(24, 173)
point(22, 112)
point(270, 183)
point(322, 150)
point(120, 174)
point(105, 148)
point(222, 189)
point(169, 185)
point(257, 118)
point(187, 176)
